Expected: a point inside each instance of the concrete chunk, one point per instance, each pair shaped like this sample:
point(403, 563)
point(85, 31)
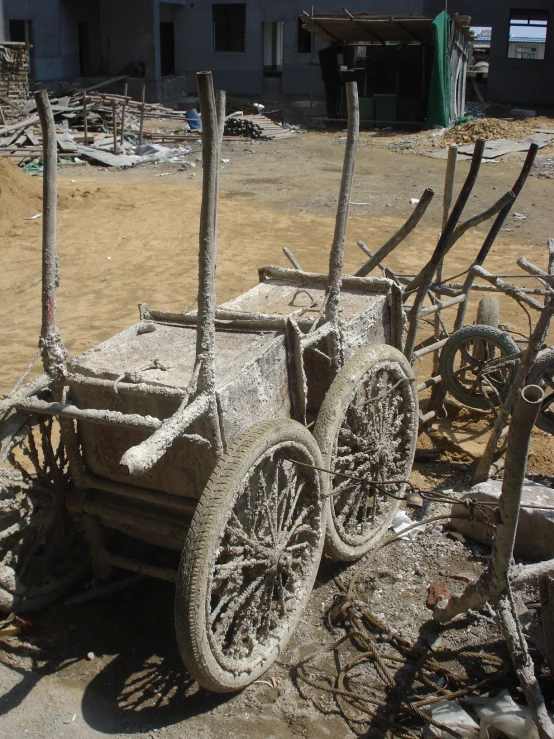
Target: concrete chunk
point(535, 531)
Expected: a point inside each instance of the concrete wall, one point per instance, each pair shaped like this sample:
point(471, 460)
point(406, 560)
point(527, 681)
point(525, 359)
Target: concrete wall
point(55, 38)
point(525, 81)
point(241, 73)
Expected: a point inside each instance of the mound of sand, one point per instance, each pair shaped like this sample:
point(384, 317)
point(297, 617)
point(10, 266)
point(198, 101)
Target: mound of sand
point(20, 194)
point(490, 129)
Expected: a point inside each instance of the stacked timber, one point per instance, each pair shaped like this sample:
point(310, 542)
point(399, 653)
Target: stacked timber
point(255, 127)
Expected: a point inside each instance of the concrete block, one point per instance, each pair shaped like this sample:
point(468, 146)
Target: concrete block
point(535, 531)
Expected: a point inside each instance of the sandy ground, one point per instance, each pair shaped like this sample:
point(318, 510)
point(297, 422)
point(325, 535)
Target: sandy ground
point(130, 237)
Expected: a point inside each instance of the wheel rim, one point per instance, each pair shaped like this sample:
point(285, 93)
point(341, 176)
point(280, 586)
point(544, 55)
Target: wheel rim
point(374, 442)
point(469, 371)
point(265, 559)
point(42, 551)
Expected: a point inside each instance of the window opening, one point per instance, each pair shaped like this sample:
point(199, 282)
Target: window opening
point(304, 39)
point(167, 48)
point(273, 48)
point(528, 30)
point(229, 24)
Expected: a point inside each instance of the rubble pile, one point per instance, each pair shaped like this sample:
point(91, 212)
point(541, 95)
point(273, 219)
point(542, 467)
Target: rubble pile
point(489, 128)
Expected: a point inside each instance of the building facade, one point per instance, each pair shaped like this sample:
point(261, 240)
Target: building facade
point(253, 48)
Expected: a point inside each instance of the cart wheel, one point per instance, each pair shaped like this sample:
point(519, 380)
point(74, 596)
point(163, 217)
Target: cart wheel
point(42, 550)
point(367, 427)
point(464, 366)
point(543, 374)
point(251, 556)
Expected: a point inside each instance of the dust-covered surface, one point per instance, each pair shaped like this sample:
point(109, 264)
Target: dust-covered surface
point(129, 237)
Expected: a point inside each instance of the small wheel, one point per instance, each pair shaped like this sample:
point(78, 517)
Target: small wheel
point(43, 551)
point(488, 311)
point(251, 556)
point(465, 367)
point(367, 427)
point(543, 374)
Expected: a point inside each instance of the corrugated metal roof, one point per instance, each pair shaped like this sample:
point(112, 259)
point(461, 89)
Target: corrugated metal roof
point(526, 40)
point(349, 28)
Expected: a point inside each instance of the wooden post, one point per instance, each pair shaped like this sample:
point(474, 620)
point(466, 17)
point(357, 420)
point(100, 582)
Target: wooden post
point(51, 346)
point(114, 112)
point(85, 118)
point(141, 126)
point(336, 258)
point(125, 89)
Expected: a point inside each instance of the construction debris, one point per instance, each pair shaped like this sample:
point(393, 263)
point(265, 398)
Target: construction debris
point(255, 127)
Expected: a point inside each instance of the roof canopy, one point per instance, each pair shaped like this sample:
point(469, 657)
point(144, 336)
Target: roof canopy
point(360, 28)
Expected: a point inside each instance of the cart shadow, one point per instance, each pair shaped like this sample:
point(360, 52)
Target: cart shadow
point(143, 687)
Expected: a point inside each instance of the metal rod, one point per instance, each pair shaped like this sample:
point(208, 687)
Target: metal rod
point(52, 349)
point(430, 348)
point(493, 232)
point(425, 277)
point(449, 183)
point(336, 260)
point(92, 415)
point(205, 337)
point(431, 382)
point(400, 235)
point(442, 306)
point(292, 259)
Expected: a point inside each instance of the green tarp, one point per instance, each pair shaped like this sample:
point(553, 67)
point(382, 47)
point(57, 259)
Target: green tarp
point(438, 110)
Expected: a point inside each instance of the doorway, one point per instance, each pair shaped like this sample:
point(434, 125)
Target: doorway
point(167, 48)
point(273, 48)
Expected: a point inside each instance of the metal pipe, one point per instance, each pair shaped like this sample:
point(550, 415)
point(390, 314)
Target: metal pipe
point(400, 235)
point(493, 232)
point(336, 260)
point(205, 335)
point(449, 183)
point(52, 349)
point(142, 457)
point(430, 348)
point(431, 382)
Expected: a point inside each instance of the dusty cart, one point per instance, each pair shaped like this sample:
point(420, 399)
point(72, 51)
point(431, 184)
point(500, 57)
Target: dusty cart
point(246, 437)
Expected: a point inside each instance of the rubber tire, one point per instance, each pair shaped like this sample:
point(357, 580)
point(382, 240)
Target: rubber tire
point(196, 561)
point(329, 421)
point(544, 362)
point(468, 332)
point(488, 312)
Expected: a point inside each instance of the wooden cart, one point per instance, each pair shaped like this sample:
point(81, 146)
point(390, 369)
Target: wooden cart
point(246, 437)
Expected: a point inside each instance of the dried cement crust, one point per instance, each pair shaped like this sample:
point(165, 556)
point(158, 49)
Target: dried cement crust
point(367, 426)
point(251, 556)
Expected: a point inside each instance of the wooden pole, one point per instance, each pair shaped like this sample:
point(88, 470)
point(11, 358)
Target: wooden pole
point(141, 126)
point(85, 118)
point(114, 113)
point(51, 346)
point(125, 88)
point(336, 259)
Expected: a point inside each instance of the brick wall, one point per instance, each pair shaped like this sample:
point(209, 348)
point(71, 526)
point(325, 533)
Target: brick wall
point(14, 78)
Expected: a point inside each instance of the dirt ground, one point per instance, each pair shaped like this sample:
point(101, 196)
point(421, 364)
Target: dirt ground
point(132, 236)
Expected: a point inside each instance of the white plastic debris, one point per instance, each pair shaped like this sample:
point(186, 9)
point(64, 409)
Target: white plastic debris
point(401, 521)
point(90, 656)
point(414, 201)
point(504, 715)
point(109, 259)
point(519, 216)
point(225, 161)
point(451, 714)
point(33, 218)
point(259, 107)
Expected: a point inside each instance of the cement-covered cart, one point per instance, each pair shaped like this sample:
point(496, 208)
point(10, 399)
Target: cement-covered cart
point(246, 437)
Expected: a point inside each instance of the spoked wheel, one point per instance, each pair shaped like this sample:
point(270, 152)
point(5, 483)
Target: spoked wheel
point(251, 556)
point(367, 428)
point(543, 374)
point(42, 550)
point(473, 369)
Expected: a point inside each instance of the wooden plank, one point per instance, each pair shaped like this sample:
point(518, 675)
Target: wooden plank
point(19, 126)
point(65, 143)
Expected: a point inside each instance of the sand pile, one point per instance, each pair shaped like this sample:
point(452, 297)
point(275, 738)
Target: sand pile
point(490, 129)
point(20, 194)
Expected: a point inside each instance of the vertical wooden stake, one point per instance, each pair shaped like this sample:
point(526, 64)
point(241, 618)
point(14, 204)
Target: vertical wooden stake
point(114, 112)
point(85, 118)
point(141, 128)
point(125, 89)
